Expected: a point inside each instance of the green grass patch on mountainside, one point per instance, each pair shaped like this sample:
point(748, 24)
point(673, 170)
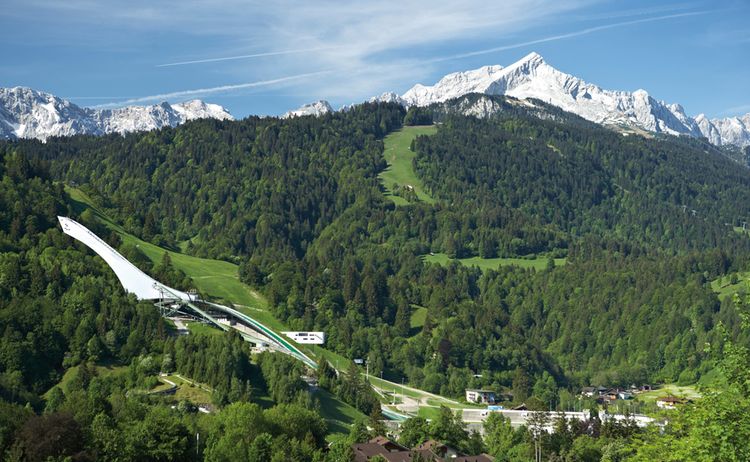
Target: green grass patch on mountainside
point(399, 156)
point(484, 264)
point(196, 393)
point(339, 415)
point(196, 327)
point(418, 317)
point(670, 389)
point(726, 286)
point(102, 370)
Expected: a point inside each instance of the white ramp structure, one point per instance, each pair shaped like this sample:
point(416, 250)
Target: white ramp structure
point(132, 279)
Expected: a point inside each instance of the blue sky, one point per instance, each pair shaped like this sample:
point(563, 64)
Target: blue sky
point(269, 57)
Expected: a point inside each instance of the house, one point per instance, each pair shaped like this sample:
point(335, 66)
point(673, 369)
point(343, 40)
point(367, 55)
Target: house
point(480, 396)
point(610, 396)
point(366, 451)
point(437, 448)
point(669, 402)
point(624, 395)
point(388, 444)
point(588, 391)
point(381, 446)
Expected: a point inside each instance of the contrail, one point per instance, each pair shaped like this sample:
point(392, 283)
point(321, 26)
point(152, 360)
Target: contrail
point(207, 91)
point(256, 55)
point(565, 36)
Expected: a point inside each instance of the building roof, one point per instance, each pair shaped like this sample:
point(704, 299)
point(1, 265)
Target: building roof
point(479, 458)
point(388, 444)
point(429, 451)
point(364, 451)
point(410, 455)
point(431, 445)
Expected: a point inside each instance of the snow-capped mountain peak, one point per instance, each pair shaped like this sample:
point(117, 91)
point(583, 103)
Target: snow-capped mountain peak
point(28, 113)
point(533, 77)
point(315, 109)
point(452, 86)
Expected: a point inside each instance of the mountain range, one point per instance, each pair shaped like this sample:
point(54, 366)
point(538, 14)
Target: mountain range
point(28, 113)
point(533, 77)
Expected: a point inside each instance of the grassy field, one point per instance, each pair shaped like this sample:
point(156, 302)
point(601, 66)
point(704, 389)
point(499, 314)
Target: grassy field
point(101, 370)
point(196, 393)
point(429, 413)
point(494, 263)
point(723, 286)
point(388, 386)
point(418, 317)
point(670, 389)
point(202, 328)
point(339, 415)
point(398, 154)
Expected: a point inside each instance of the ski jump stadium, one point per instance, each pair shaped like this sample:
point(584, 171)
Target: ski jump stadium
point(172, 302)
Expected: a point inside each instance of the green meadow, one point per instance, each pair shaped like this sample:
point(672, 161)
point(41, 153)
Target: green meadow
point(399, 156)
point(484, 264)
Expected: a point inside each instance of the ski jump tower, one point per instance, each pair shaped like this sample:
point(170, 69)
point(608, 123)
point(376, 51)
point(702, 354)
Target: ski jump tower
point(170, 300)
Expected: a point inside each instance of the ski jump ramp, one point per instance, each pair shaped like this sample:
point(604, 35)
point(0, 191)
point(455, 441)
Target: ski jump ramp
point(144, 287)
point(132, 279)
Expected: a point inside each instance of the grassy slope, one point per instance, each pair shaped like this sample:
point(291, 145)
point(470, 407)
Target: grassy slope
point(670, 390)
point(101, 370)
point(399, 157)
point(339, 415)
point(494, 263)
point(220, 279)
point(723, 287)
point(418, 317)
point(203, 328)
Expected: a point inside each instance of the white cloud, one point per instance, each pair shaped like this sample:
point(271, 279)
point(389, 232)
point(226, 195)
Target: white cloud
point(736, 111)
point(234, 58)
point(211, 90)
point(568, 35)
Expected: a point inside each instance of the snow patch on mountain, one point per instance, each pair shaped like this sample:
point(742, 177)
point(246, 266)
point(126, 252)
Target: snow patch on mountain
point(28, 113)
point(317, 108)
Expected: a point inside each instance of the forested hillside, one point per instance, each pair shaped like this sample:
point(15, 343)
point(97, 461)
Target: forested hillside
point(297, 201)
point(645, 225)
